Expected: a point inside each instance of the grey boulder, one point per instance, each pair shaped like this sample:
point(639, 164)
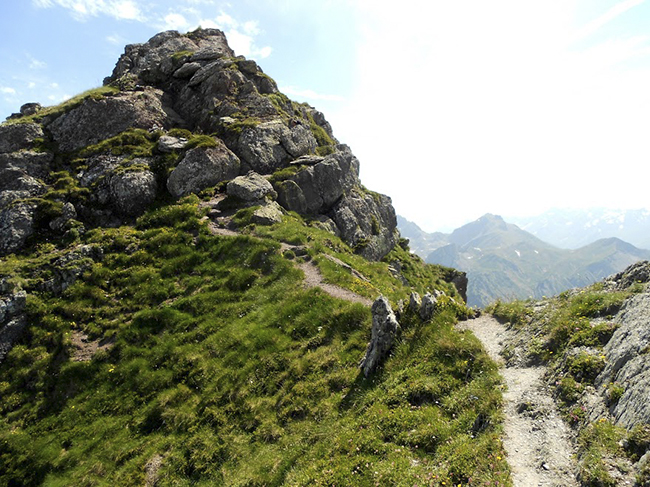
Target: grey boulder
point(251, 187)
point(384, 332)
point(201, 168)
point(18, 136)
point(16, 226)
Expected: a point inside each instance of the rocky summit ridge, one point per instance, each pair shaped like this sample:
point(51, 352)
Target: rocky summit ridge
point(181, 114)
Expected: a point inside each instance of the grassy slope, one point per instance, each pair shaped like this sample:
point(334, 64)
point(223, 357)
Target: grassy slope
point(224, 370)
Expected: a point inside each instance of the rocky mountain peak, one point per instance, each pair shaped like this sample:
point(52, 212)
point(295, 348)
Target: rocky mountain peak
point(180, 115)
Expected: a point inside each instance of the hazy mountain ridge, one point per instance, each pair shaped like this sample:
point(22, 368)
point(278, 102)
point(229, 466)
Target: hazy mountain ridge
point(575, 228)
point(505, 262)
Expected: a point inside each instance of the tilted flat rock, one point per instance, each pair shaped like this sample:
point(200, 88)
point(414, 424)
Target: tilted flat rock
point(251, 187)
point(201, 168)
point(96, 120)
point(17, 136)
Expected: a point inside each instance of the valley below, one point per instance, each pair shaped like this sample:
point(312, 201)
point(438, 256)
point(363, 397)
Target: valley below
point(504, 262)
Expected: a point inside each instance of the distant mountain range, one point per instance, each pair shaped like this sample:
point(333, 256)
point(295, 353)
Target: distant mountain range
point(504, 261)
point(572, 229)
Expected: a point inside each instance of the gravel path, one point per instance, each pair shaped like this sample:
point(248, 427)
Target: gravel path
point(539, 443)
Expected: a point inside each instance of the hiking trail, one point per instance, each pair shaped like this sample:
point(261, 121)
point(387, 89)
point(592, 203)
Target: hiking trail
point(538, 442)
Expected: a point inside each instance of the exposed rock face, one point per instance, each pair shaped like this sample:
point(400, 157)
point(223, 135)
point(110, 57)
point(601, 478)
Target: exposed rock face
point(415, 302)
point(628, 362)
point(12, 320)
point(96, 120)
point(202, 168)
point(384, 331)
point(16, 226)
point(428, 307)
point(367, 222)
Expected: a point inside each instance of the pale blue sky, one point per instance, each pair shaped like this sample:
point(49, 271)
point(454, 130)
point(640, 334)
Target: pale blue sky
point(455, 108)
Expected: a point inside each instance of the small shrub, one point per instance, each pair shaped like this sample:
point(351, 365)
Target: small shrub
point(614, 393)
point(568, 389)
point(638, 441)
point(201, 141)
point(586, 366)
point(592, 304)
point(516, 312)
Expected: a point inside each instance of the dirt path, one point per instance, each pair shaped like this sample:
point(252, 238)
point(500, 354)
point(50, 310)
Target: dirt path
point(313, 277)
point(538, 442)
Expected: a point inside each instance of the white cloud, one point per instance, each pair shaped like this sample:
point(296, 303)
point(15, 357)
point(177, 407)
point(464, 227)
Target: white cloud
point(6, 90)
point(82, 9)
point(116, 39)
point(251, 28)
point(175, 21)
point(36, 64)
point(125, 9)
point(226, 21)
point(607, 17)
point(309, 94)
point(241, 36)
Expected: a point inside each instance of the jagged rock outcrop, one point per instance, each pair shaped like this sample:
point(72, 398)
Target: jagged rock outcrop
point(636, 273)
point(120, 151)
point(628, 361)
point(317, 187)
point(384, 332)
point(367, 222)
point(270, 146)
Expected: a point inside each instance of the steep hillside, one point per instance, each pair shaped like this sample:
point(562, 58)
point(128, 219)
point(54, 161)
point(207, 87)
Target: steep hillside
point(595, 343)
point(187, 262)
point(503, 261)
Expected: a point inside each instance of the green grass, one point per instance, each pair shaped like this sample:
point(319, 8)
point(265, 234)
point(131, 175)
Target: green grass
point(516, 312)
point(224, 370)
point(57, 110)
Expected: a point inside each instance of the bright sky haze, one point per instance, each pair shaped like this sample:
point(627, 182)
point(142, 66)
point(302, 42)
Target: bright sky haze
point(454, 108)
